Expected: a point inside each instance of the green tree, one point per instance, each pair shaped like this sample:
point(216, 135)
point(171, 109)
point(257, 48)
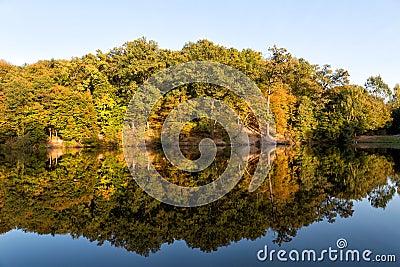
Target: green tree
point(351, 111)
point(377, 87)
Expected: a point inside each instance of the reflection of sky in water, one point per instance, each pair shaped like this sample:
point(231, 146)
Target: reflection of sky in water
point(368, 228)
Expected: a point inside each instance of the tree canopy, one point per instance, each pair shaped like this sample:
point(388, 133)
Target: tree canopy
point(83, 101)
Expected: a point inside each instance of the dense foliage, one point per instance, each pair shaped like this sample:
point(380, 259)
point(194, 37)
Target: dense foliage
point(82, 101)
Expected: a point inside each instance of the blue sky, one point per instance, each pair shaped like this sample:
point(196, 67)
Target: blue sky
point(360, 36)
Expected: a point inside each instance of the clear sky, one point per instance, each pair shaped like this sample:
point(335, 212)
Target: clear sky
point(360, 36)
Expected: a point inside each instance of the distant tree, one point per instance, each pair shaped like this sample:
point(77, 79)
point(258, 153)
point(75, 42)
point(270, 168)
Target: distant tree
point(377, 87)
point(328, 78)
point(395, 108)
point(396, 96)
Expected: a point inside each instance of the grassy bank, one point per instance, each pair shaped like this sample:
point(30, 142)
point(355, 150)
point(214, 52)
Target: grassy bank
point(378, 141)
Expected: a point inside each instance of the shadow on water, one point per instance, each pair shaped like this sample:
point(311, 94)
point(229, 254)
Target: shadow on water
point(91, 193)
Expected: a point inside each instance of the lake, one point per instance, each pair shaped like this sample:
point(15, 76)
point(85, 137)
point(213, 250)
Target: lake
point(83, 208)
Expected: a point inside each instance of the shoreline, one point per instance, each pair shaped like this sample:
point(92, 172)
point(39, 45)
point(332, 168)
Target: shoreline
point(364, 141)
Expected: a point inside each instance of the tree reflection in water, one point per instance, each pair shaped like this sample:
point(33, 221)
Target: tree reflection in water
point(92, 194)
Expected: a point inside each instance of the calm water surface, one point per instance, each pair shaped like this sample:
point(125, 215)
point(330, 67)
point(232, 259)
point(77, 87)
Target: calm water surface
point(82, 208)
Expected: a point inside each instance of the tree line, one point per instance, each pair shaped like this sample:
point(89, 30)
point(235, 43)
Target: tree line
point(83, 101)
